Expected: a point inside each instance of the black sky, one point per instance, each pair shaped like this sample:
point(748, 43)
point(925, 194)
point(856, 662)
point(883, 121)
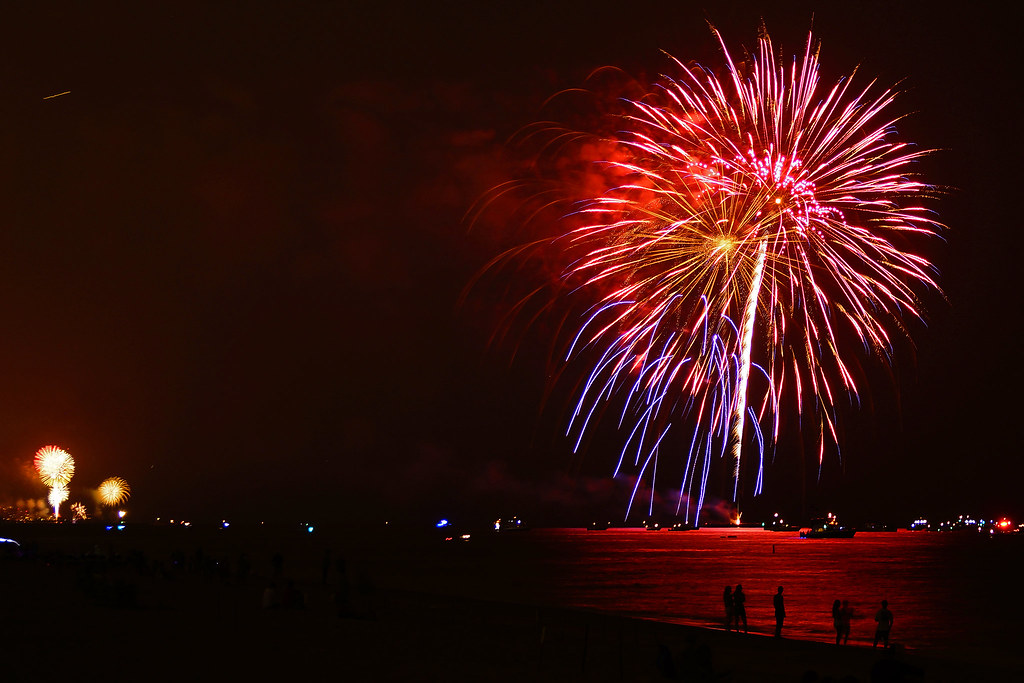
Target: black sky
point(230, 258)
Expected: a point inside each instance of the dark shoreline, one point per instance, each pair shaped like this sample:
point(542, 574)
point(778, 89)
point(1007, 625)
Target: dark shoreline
point(64, 614)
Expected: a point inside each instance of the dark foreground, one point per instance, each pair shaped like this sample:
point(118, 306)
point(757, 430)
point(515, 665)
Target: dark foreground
point(175, 612)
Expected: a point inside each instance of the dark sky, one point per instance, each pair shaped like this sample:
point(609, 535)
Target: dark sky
point(231, 258)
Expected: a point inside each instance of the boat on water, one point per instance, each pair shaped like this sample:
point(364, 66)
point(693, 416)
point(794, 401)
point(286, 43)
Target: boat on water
point(920, 524)
point(509, 524)
point(655, 525)
point(827, 527)
point(779, 524)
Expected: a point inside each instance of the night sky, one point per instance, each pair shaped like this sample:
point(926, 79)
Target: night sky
point(231, 258)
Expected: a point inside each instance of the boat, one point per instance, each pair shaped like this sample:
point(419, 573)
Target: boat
point(779, 524)
point(920, 524)
point(599, 526)
point(509, 524)
point(827, 527)
point(682, 526)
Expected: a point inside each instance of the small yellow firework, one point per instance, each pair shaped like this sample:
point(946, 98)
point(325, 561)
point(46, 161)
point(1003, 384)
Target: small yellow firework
point(79, 512)
point(114, 491)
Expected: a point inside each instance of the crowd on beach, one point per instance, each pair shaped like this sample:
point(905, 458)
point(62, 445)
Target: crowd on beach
point(734, 601)
point(127, 576)
point(282, 584)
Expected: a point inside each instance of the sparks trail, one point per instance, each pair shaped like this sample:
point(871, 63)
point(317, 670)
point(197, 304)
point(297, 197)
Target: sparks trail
point(735, 229)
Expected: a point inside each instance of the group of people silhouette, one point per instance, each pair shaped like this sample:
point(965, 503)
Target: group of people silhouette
point(736, 610)
point(842, 614)
point(734, 600)
point(735, 607)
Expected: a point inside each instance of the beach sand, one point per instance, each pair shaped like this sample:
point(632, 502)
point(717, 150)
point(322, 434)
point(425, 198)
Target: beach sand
point(121, 619)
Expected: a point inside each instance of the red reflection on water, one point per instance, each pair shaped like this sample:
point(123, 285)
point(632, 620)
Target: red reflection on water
point(944, 589)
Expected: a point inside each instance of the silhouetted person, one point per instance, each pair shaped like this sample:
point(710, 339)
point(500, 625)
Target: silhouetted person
point(845, 617)
point(739, 607)
point(727, 599)
point(271, 596)
point(780, 612)
point(244, 568)
point(325, 566)
point(342, 597)
point(836, 624)
point(293, 597)
point(892, 668)
point(178, 560)
point(277, 562)
point(664, 662)
point(883, 619)
point(695, 662)
point(366, 592)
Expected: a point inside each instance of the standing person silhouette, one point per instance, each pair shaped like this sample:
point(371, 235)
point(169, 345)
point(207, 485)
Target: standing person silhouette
point(883, 619)
point(836, 609)
point(739, 608)
point(780, 612)
point(845, 616)
point(727, 600)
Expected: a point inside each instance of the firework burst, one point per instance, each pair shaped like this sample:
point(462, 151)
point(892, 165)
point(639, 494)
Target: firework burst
point(58, 494)
point(54, 465)
point(746, 229)
point(114, 491)
point(79, 512)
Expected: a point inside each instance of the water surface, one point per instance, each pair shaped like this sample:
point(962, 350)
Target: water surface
point(948, 592)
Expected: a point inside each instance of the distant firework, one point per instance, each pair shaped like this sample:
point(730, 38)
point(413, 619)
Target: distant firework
point(79, 512)
point(736, 236)
point(54, 465)
point(114, 491)
point(58, 494)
